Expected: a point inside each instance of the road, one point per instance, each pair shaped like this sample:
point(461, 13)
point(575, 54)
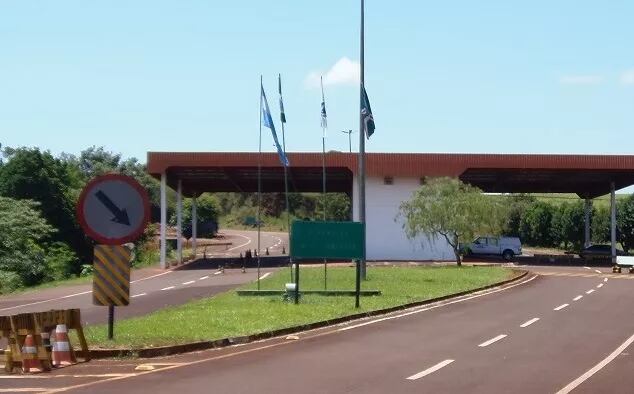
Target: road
point(151, 288)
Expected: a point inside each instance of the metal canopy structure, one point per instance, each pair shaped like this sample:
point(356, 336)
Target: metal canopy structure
point(588, 176)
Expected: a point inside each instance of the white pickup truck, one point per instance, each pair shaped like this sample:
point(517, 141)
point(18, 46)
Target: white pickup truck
point(507, 247)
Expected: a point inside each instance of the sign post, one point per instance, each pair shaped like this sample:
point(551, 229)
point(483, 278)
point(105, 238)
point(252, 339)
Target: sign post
point(328, 240)
point(113, 210)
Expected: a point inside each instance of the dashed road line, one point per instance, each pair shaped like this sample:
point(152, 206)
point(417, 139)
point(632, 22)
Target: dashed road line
point(439, 305)
point(204, 277)
point(560, 307)
point(600, 285)
point(265, 275)
point(189, 283)
point(590, 291)
point(598, 272)
point(575, 383)
point(217, 272)
point(430, 370)
point(138, 295)
point(605, 279)
point(588, 268)
point(492, 340)
point(528, 323)
point(167, 288)
point(577, 298)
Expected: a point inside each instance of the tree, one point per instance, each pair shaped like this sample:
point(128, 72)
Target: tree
point(517, 206)
point(449, 209)
point(601, 224)
point(35, 175)
point(536, 224)
point(23, 233)
point(568, 224)
point(625, 222)
point(207, 210)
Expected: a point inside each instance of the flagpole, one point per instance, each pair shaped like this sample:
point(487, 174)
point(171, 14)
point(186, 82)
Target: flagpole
point(260, 180)
point(288, 212)
point(361, 265)
point(323, 168)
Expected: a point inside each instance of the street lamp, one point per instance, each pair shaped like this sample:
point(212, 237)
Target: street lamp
point(349, 132)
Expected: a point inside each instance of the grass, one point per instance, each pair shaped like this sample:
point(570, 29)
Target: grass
point(228, 314)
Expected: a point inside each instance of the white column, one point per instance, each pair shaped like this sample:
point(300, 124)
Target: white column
point(587, 211)
point(613, 221)
point(194, 224)
point(179, 221)
point(163, 220)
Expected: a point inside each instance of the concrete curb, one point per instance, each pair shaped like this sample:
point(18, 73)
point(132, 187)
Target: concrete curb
point(204, 345)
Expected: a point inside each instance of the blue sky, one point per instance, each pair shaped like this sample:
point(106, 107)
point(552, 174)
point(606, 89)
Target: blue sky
point(451, 76)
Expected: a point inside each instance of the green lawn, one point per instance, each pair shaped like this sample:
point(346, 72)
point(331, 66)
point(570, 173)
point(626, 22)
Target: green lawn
point(229, 315)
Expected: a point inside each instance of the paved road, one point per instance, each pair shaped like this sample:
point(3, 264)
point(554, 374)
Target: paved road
point(151, 289)
point(535, 337)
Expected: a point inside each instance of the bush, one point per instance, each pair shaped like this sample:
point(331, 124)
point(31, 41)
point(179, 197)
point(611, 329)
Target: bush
point(9, 281)
point(61, 262)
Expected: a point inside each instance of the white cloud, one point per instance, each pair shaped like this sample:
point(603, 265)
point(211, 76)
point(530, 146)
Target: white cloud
point(627, 78)
point(581, 79)
point(343, 72)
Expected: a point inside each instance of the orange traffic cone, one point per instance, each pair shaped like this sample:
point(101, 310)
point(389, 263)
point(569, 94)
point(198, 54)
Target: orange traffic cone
point(29, 355)
point(61, 347)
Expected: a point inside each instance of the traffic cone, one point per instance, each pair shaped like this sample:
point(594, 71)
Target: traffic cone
point(29, 355)
point(267, 251)
point(61, 348)
point(283, 250)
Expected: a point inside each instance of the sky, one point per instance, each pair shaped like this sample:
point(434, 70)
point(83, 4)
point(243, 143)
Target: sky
point(453, 76)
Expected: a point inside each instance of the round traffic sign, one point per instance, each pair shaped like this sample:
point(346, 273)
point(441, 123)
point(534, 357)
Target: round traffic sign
point(113, 209)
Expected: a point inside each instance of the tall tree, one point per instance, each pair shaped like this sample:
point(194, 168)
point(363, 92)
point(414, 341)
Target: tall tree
point(451, 210)
point(625, 222)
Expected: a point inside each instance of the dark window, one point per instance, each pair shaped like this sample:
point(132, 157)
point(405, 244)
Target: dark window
point(388, 180)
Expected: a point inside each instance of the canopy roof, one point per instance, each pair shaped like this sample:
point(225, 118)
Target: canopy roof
point(588, 176)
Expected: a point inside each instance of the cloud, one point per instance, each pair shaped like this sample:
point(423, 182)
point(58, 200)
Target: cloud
point(581, 79)
point(627, 78)
point(343, 72)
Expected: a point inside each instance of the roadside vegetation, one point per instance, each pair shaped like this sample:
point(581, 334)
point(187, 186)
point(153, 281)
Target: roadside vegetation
point(229, 315)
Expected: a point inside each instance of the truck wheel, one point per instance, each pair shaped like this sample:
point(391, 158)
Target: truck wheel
point(508, 255)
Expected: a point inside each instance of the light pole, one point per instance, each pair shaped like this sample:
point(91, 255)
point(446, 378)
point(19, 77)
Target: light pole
point(349, 132)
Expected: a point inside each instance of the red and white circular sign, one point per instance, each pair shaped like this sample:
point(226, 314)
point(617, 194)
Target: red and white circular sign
point(113, 209)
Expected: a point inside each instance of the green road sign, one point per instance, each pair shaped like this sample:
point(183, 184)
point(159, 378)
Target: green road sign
point(327, 240)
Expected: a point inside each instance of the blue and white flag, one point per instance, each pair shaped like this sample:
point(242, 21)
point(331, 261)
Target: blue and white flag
point(279, 86)
point(324, 117)
point(366, 115)
point(267, 121)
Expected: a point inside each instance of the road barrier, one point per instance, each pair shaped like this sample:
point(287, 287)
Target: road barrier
point(28, 335)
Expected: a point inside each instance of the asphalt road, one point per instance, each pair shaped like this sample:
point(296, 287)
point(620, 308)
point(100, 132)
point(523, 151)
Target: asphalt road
point(565, 329)
point(151, 288)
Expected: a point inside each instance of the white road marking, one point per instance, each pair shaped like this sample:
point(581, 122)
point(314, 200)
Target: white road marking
point(189, 283)
point(560, 307)
point(588, 268)
point(430, 370)
point(577, 298)
point(204, 277)
point(575, 383)
point(492, 340)
point(590, 291)
point(76, 294)
point(241, 245)
point(531, 321)
point(265, 275)
point(167, 288)
point(217, 272)
point(427, 308)
point(605, 279)
point(138, 295)
point(598, 272)
point(24, 390)
point(600, 285)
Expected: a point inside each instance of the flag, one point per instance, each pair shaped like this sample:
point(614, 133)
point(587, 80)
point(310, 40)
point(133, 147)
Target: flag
point(267, 121)
point(279, 85)
point(366, 114)
point(324, 118)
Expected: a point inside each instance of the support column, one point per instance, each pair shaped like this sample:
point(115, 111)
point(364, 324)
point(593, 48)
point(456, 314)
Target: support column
point(163, 241)
point(613, 221)
point(194, 225)
point(587, 211)
point(179, 222)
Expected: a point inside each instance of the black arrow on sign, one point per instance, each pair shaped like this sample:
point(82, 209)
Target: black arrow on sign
point(120, 215)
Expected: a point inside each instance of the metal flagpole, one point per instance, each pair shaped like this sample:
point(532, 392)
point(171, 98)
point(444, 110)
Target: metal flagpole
point(260, 179)
point(323, 167)
point(362, 133)
point(288, 212)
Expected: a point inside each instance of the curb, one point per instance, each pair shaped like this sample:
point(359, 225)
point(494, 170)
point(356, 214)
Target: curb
point(220, 343)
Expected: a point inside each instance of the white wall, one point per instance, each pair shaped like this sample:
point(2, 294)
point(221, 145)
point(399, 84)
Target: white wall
point(386, 239)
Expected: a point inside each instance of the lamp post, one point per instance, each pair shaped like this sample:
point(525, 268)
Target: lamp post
point(349, 132)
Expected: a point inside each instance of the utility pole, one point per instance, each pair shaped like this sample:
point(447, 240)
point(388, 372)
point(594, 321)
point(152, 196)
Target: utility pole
point(349, 132)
